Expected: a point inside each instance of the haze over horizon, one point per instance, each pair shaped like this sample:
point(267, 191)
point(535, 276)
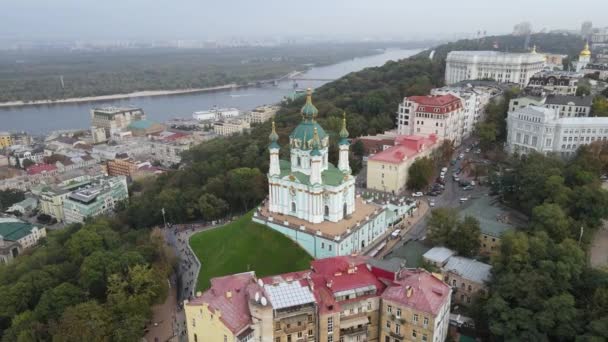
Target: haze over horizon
point(192, 19)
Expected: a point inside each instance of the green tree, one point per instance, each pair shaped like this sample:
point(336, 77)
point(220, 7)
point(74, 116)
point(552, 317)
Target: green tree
point(465, 238)
point(420, 173)
point(599, 106)
point(583, 90)
point(211, 207)
point(86, 321)
point(442, 225)
point(550, 218)
point(246, 186)
point(53, 302)
point(27, 163)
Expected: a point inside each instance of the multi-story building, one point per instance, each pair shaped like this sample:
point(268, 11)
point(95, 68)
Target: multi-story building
point(584, 58)
point(6, 139)
point(168, 152)
point(502, 67)
point(16, 236)
point(599, 69)
point(314, 202)
point(467, 277)
point(416, 307)
point(474, 100)
point(232, 126)
point(441, 115)
point(570, 105)
point(262, 114)
point(388, 170)
point(216, 114)
point(338, 299)
point(543, 130)
point(113, 120)
point(122, 167)
point(348, 298)
point(52, 197)
point(566, 105)
point(95, 199)
point(555, 82)
point(554, 61)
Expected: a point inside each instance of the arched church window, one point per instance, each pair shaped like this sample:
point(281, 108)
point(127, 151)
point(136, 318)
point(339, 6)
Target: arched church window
point(299, 162)
point(293, 207)
point(326, 210)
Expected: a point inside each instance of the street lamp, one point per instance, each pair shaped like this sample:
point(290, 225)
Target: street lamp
point(164, 219)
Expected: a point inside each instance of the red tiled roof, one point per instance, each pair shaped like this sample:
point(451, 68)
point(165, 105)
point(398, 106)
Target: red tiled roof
point(175, 136)
point(339, 274)
point(436, 103)
point(234, 311)
point(426, 293)
point(39, 168)
point(407, 147)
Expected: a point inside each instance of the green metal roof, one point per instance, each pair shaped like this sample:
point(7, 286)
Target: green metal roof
point(412, 252)
point(14, 231)
point(305, 132)
point(489, 215)
point(332, 176)
point(141, 124)
point(309, 111)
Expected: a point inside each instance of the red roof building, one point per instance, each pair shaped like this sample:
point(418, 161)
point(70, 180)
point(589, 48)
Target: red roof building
point(388, 170)
point(40, 169)
point(442, 115)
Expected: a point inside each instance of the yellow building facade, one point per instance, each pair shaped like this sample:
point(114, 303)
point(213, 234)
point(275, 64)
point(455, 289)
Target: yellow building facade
point(206, 325)
point(6, 139)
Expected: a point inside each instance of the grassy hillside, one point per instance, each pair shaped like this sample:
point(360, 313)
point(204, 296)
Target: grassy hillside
point(245, 246)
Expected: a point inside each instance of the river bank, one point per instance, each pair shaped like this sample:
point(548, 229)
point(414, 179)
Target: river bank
point(145, 93)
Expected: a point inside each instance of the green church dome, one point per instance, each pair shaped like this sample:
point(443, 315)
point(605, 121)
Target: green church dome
point(302, 135)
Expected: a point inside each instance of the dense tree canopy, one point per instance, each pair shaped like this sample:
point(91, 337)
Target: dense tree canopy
point(86, 283)
point(446, 229)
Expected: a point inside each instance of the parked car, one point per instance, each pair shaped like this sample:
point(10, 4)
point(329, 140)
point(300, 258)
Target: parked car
point(432, 203)
point(467, 150)
point(463, 199)
point(444, 169)
point(456, 179)
point(460, 156)
point(417, 194)
point(467, 188)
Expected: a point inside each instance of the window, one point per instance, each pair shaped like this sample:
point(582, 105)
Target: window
point(369, 306)
point(387, 339)
point(415, 318)
point(225, 338)
point(288, 325)
point(388, 324)
point(426, 321)
point(277, 326)
point(288, 338)
point(309, 318)
point(277, 339)
point(424, 337)
point(195, 338)
point(330, 324)
point(310, 332)
point(389, 309)
point(469, 288)
point(397, 329)
point(398, 312)
point(330, 338)
point(300, 334)
point(193, 322)
point(414, 333)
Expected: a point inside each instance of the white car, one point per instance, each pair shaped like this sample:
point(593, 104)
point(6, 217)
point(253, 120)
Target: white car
point(417, 194)
point(432, 203)
point(463, 199)
point(467, 150)
point(444, 170)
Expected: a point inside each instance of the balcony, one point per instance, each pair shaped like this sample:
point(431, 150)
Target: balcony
point(294, 328)
point(354, 331)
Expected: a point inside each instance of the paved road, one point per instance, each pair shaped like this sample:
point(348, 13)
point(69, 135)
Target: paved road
point(449, 198)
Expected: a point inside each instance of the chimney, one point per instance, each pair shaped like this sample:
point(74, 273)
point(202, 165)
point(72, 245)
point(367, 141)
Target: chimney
point(329, 283)
point(228, 294)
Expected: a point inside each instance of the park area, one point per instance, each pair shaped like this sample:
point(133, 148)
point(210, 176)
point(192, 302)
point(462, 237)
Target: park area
point(243, 245)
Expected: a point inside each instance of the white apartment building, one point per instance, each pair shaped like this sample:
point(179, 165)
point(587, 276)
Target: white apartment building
point(502, 67)
point(474, 101)
point(230, 126)
point(543, 130)
point(566, 105)
point(555, 82)
point(442, 115)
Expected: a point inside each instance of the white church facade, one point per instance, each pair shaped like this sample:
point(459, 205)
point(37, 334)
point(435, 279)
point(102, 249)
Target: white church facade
point(314, 202)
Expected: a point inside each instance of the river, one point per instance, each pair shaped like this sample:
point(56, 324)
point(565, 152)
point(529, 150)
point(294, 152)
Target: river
point(42, 119)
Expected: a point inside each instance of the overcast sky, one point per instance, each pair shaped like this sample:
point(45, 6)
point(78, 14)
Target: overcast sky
point(202, 19)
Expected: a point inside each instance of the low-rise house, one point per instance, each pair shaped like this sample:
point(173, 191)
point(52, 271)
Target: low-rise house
point(467, 277)
point(27, 205)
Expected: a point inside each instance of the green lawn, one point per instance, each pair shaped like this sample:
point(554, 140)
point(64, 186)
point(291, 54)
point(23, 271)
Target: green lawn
point(244, 245)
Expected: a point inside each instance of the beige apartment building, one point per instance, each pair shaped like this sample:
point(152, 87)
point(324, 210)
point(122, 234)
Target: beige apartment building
point(230, 126)
point(388, 170)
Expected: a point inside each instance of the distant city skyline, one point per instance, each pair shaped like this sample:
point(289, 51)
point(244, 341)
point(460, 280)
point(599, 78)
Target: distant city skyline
point(342, 19)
